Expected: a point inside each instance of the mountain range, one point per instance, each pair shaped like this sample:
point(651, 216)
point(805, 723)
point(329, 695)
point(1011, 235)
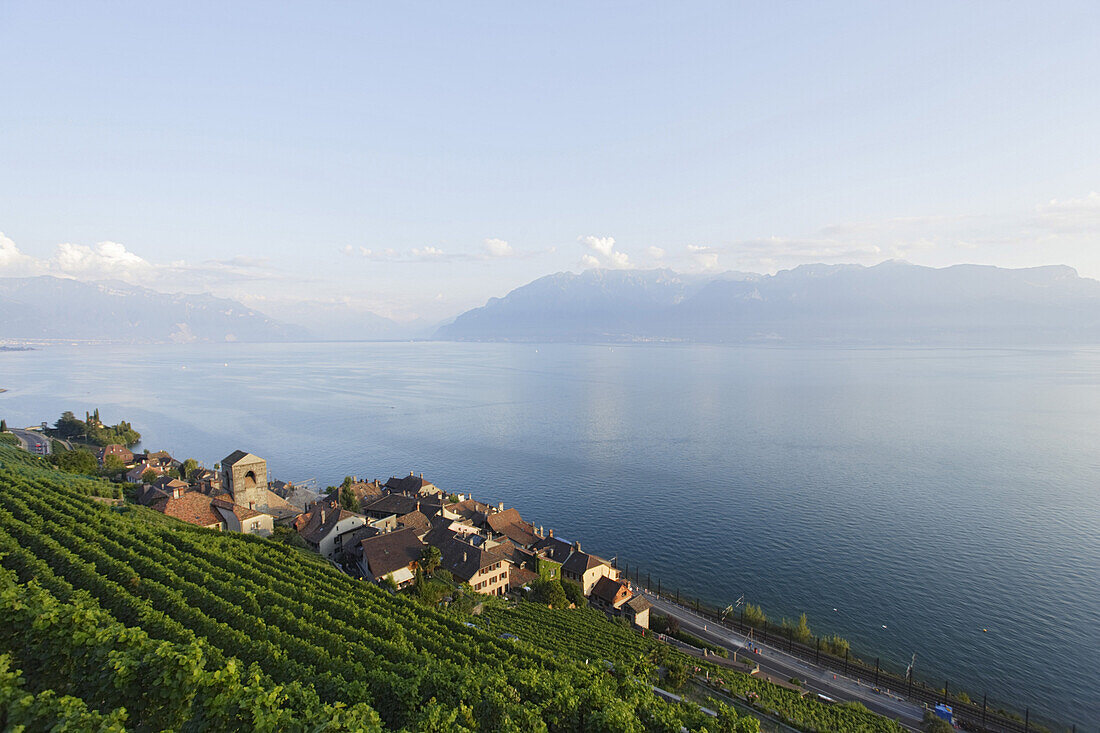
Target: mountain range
point(893, 303)
point(51, 308)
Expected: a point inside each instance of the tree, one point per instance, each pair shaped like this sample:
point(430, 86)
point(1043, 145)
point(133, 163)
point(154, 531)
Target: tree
point(77, 461)
point(573, 592)
point(802, 631)
point(430, 558)
point(149, 476)
point(113, 466)
point(3, 426)
point(550, 593)
point(754, 615)
point(348, 500)
point(189, 467)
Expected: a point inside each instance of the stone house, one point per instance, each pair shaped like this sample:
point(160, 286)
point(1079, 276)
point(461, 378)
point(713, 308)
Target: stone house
point(392, 555)
point(241, 519)
point(322, 527)
point(191, 507)
point(485, 570)
point(585, 569)
point(509, 523)
point(119, 451)
point(615, 598)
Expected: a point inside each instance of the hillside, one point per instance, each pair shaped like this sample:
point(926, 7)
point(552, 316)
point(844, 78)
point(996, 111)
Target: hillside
point(894, 303)
point(120, 618)
point(50, 308)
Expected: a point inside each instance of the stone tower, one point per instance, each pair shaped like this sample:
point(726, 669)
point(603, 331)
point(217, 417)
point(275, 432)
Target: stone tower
point(245, 477)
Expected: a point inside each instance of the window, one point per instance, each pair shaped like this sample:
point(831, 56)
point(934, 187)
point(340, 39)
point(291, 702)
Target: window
point(254, 527)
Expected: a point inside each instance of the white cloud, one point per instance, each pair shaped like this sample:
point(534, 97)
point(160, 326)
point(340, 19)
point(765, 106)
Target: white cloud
point(656, 253)
point(1079, 215)
point(105, 260)
point(15, 263)
point(605, 253)
point(498, 248)
point(588, 262)
point(427, 253)
point(705, 257)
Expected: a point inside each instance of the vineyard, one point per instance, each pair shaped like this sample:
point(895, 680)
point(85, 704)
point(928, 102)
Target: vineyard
point(585, 634)
point(118, 618)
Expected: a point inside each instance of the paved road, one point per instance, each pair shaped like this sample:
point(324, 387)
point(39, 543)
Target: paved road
point(30, 437)
point(784, 666)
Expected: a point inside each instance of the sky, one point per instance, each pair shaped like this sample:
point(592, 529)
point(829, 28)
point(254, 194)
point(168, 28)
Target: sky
point(415, 159)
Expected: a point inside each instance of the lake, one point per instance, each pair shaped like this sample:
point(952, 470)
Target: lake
point(938, 493)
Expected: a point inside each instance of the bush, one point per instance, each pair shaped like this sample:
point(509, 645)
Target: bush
point(934, 724)
point(754, 615)
point(549, 593)
point(573, 592)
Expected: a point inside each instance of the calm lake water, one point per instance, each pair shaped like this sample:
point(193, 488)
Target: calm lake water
point(934, 492)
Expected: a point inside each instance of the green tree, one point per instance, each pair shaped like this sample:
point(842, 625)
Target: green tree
point(113, 466)
point(149, 476)
point(77, 461)
point(574, 592)
point(754, 615)
point(188, 467)
point(549, 593)
point(3, 426)
point(348, 501)
point(802, 631)
point(430, 558)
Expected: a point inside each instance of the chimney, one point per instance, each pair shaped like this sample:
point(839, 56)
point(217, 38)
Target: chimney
point(577, 546)
point(464, 556)
point(322, 513)
point(551, 533)
point(500, 507)
point(421, 475)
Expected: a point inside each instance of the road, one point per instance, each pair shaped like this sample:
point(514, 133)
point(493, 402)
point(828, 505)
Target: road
point(30, 437)
point(784, 666)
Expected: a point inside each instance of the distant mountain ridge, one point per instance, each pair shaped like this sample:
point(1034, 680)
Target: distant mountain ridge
point(51, 308)
point(893, 303)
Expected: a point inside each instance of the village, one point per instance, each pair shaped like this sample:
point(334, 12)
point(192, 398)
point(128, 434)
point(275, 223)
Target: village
point(400, 527)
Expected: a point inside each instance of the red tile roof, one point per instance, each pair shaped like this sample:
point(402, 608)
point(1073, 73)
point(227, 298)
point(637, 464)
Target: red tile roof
point(192, 507)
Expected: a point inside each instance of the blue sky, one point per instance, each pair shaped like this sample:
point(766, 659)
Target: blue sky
point(415, 159)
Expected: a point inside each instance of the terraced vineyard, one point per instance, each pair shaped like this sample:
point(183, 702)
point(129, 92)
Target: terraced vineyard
point(120, 618)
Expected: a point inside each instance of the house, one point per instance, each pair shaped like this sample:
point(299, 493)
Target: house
point(161, 459)
point(416, 521)
point(363, 489)
point(469, 510)
point(637, 610)
point(485, 570)
point(191, 507)
point(206, 480)
point(148, 495)
point(118, 451)
point(519, 577)
point(391, 555)
point(134, 475)
point(609, 594)
point(615, 598)
point(391, 504)
point(586, 569)
point(411, 486)
point(551, 552)
point(241, 519)
point(323, 526)
point(169, 485)
point(511, 525)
